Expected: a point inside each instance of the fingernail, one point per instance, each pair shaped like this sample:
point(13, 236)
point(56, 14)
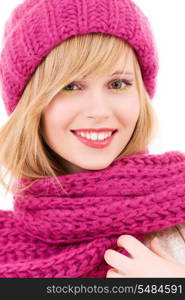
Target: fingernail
point(156, 240)
point(121, 238)
point(107, 253)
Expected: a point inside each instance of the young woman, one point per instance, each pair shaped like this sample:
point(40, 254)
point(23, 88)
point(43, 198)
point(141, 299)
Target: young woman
point(77, 82)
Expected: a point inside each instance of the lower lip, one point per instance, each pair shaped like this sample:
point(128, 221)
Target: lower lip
point(95, 144)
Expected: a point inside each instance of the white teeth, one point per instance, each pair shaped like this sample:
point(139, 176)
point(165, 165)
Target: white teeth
point(83, 134)
point(94, 136)
point(88, 135)
point(101, 136)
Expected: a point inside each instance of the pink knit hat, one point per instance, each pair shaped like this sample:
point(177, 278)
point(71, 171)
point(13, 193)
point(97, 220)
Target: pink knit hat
point(35, 27)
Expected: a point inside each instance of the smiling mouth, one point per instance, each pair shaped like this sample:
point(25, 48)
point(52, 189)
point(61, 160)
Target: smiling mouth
point(95, 143)
point(75, 131)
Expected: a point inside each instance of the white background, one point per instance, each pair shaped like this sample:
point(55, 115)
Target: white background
point(168, 23)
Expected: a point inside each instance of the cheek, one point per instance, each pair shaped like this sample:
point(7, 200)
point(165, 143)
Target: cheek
point(129, 111)
point(57, 116)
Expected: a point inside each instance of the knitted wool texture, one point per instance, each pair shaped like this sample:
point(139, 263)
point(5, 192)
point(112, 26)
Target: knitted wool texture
point(35, 27)
point(51, 234)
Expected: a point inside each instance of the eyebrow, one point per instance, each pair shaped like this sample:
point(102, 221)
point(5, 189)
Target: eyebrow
point(119, 72)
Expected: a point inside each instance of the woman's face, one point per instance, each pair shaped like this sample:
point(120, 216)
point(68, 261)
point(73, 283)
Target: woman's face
point(92, 103)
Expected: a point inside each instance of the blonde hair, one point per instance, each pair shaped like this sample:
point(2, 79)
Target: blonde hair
point(23, 152)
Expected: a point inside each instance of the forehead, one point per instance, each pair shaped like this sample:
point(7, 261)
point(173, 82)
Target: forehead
point(119, 68)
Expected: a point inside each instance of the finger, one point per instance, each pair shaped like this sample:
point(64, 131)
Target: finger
point(132, 245)
point(113, 273)
point(118, 261)
point(156, 247)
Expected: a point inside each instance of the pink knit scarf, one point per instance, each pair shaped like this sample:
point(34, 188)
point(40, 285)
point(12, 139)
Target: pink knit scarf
point(135, 195)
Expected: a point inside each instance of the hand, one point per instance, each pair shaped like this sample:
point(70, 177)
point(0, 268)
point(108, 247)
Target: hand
point(144, 261)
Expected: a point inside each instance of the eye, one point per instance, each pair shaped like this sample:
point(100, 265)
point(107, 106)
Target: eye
point(117, 83)
point(69, 85)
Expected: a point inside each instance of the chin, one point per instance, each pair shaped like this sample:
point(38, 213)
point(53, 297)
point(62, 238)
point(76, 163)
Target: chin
point(95, 167)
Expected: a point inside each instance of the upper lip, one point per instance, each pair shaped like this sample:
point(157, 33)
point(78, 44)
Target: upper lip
point(94, 129)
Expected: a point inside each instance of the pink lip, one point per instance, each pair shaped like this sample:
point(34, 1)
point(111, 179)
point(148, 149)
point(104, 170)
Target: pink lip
point(95, 144)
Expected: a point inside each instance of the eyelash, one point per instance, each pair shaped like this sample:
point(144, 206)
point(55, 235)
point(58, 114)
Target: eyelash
point(128, 84)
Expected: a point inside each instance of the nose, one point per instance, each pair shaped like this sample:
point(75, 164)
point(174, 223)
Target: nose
point(98, 107)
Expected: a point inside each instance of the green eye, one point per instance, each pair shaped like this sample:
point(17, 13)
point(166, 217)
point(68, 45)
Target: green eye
point(117, 83)
point(122, 81)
